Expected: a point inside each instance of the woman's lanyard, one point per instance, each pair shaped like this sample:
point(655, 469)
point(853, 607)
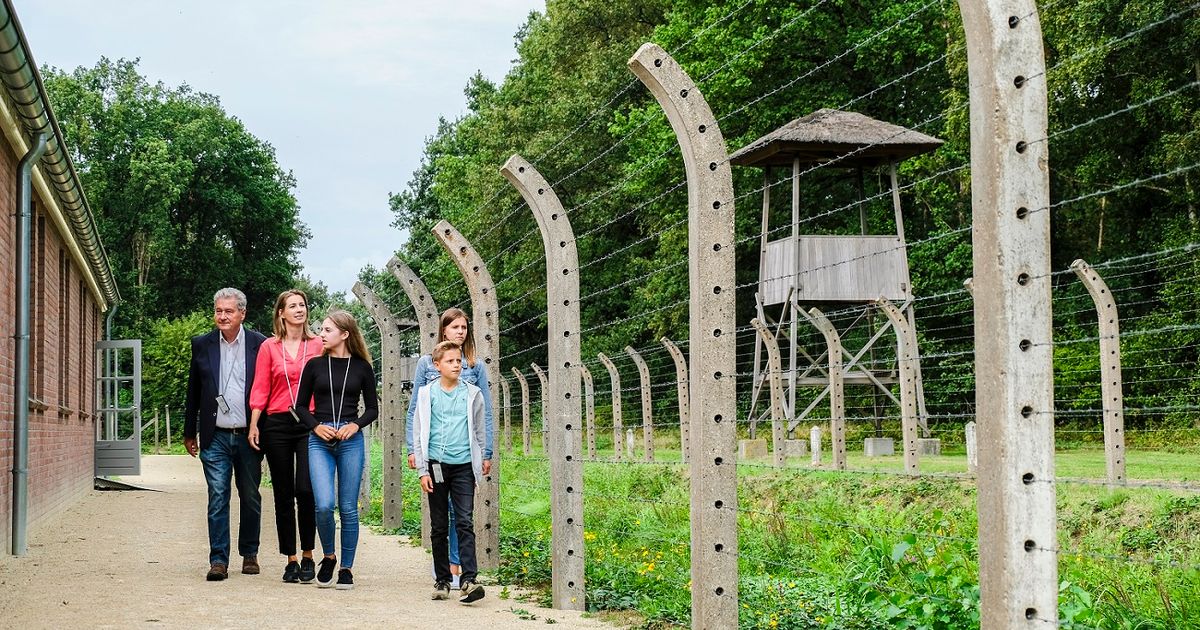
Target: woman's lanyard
point(337, 415)
point(283, 352)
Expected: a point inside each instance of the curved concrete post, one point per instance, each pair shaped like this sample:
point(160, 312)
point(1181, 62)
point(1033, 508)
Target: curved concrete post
point(485, 316)
point(908, 384)
point(506, 411)
point(525, 435)
point(1014, 394)
point(837, 388)
point(1110, 370)
point(427, 324)
point(775, 376)
point(563, 359)
point(543, 393)
point(681, 379)
point(421, 300)
point(589, 396)
point(647, 404)
point(711, 284)
point(614, 377)
point(392, 408)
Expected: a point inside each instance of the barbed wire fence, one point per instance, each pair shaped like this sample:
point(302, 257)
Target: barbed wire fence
point(1152, 292)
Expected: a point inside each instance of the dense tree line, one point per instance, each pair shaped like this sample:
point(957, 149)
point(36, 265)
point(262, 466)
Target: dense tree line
point(187, 201)
point(569, 106)
point(186, 198)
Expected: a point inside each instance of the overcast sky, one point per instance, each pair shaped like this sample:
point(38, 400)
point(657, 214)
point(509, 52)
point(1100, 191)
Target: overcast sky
point(345, 90)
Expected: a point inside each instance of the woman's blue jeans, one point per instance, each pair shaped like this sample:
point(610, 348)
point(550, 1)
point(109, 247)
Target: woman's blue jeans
point(345, 459)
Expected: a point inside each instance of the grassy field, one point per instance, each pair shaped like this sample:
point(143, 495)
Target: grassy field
point(861, 549)
point(866, 548)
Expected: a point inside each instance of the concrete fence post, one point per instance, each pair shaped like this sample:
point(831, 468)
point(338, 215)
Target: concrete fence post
point(427, 325)
point(543, 394)
point(681, 379)
point(392, 410)
point(1110, 370)
point(837, 388)
point(589, 397)
point(563, 360)
point(506, 411)
point(1014, 394)
point(526, 446)
point(906, 360)
point(647, 405)
point(364, 485)
point(711, 338)
point(485, 326)
point(775, 376)
point(614, 377)
point(421, 300)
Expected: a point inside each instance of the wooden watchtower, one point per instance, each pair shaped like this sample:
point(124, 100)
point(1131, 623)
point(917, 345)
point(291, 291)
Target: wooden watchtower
point(833, 269)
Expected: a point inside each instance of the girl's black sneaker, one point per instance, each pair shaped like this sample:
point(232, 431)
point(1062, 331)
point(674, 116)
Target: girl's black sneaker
point(291, 573)
point(308, 570)
point(325, 573)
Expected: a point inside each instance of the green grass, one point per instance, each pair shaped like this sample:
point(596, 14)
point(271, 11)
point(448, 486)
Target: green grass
point(821, 549)
point(854, 550)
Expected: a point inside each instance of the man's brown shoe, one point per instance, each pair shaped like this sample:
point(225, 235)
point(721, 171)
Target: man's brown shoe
point(217, 572)
point(250, 565)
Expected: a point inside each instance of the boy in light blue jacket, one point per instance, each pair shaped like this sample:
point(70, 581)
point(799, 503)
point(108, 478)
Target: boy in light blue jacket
point(452, 453)
point(454, 325)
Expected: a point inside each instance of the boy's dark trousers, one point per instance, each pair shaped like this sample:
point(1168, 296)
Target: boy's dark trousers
point(458, 485)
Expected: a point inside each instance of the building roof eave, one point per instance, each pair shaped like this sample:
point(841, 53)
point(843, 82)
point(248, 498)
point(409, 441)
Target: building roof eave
point(22, 84)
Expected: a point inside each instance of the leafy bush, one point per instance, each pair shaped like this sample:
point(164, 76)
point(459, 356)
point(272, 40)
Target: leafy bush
point(166, 356)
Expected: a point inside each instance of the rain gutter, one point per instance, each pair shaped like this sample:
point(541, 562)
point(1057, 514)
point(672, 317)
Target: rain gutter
point(26, 94)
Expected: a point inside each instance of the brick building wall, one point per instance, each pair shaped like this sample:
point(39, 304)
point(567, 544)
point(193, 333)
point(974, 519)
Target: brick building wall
point(65, 324)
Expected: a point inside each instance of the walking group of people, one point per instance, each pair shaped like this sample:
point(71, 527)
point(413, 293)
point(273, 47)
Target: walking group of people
point(294, 399)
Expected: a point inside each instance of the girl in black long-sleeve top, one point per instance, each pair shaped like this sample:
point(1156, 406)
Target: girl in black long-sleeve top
point(334, 382)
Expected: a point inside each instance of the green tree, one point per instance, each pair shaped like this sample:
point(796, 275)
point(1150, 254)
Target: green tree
point(187, 199)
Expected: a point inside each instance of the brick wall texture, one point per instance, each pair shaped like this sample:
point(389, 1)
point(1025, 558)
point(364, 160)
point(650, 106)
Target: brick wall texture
point(65, 324)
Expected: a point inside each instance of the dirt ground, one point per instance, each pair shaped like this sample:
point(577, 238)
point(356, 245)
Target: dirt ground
point(138, 559)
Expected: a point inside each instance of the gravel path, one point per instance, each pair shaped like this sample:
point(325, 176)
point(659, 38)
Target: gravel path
point(138, 559)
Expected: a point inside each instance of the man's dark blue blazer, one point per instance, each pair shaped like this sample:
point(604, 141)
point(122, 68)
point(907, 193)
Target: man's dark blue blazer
point(201, 408)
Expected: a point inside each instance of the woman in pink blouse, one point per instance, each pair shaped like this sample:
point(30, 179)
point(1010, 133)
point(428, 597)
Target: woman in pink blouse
point(281, 435)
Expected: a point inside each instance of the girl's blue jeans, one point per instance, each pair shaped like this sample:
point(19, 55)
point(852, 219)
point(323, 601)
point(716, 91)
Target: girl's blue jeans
point(341, 461)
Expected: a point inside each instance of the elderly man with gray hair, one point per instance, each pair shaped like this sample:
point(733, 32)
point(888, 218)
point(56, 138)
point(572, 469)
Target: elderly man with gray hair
point(218, 409)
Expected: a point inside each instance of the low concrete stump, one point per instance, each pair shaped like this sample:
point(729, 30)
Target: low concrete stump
point(752, 449)
point(972, 448)
point(879, 447)
point(929, 446)
point(795, 448)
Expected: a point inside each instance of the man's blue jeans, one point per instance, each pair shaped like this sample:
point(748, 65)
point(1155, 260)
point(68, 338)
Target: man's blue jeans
point(230, 456)
point(343, 458)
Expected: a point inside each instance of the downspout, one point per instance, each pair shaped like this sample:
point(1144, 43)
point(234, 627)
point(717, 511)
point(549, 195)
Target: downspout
point(20, 469)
